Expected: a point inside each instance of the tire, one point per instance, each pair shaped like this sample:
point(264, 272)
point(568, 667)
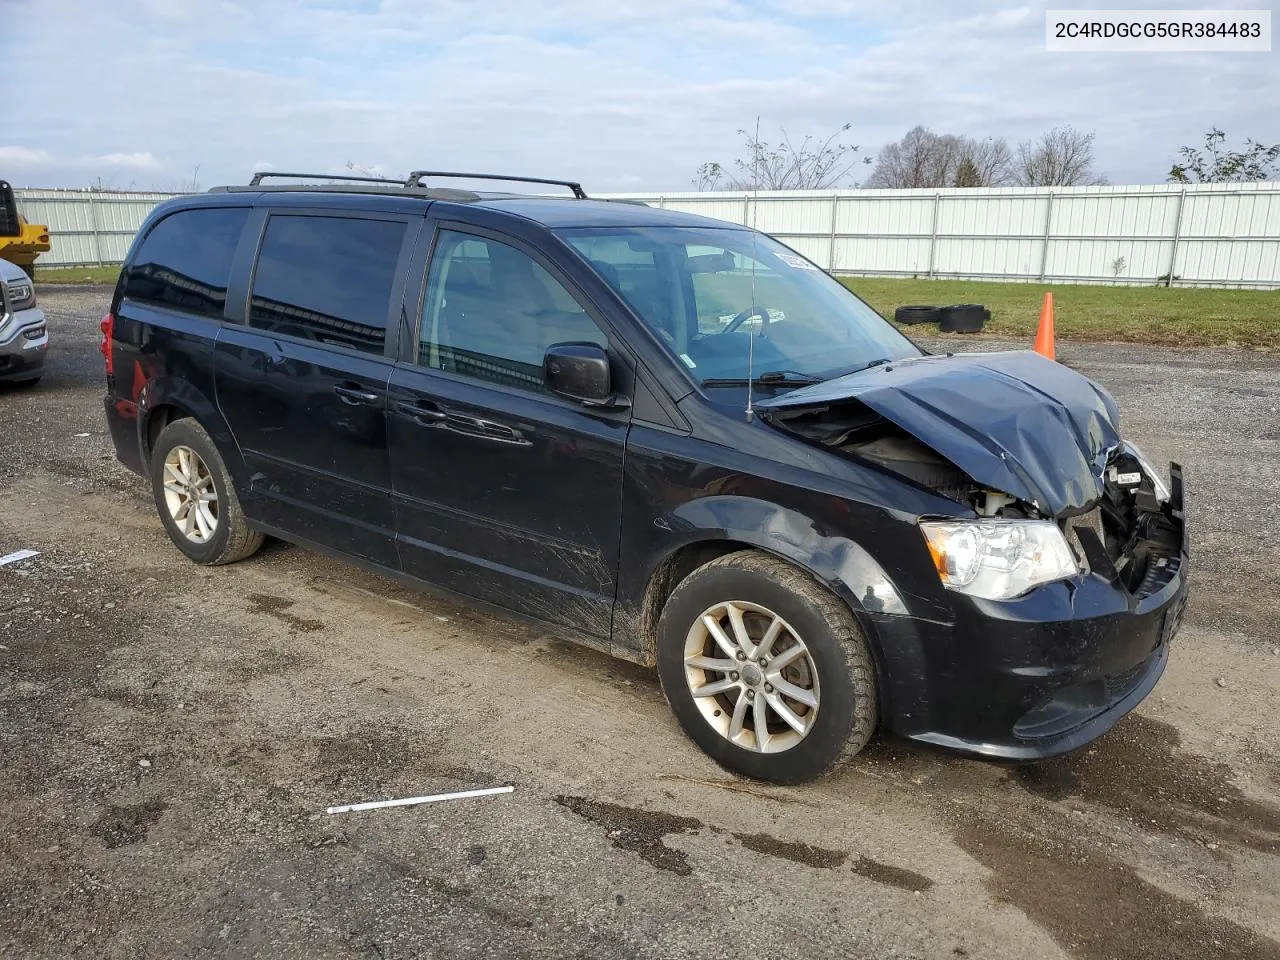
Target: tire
point(916, 314)
point(27, 384)
point(834, 668)
point(229, 538)
point(962, 318)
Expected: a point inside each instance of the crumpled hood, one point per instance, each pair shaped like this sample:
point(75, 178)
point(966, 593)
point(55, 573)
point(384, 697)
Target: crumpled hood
point(1015, 422)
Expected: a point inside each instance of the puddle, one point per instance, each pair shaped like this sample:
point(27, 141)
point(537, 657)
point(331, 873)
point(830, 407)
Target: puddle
point(1097, 908)
point(640, 831)
point(795, 852)
point(892, 876)
point(1138, 770)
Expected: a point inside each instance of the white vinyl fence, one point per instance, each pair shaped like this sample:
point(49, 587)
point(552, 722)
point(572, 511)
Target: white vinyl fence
point(87, 227)
point(1204, 235)
point(1199, 235)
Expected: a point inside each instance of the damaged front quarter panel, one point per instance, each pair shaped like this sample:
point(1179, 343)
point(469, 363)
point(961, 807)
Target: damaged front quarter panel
point(1011, 422)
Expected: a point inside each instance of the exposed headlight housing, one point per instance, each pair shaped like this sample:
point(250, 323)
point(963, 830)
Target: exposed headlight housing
point(998, 559)
point(1156, 476)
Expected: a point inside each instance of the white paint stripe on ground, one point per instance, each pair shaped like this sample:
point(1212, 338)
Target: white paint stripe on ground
point(19, 555)
point(410, 801)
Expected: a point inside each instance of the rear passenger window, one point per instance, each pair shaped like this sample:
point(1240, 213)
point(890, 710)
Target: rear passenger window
point(491, 311)
point(185, 261)
point(327, 279)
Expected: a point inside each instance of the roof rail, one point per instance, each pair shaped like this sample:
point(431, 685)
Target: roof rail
point(417, 175)
point(263, 174)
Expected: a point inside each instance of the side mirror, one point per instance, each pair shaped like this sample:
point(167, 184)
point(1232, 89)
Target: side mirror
point(579, 371)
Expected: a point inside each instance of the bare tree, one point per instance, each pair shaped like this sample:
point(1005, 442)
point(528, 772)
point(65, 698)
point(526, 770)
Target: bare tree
point(813, 163)
point(708, 176)
point(1062, 157)
point(992, 161)
point(1215, 164)
point(923, 158)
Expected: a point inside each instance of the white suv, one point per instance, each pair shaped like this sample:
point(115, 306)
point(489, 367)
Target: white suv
point(24, 338)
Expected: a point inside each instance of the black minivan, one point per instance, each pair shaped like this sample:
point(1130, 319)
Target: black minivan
point(666, 437)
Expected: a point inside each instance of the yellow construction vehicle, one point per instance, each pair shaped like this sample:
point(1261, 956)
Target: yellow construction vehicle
point(20, 242)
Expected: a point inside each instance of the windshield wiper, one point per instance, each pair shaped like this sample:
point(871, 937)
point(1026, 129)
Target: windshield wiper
point(770, 378)
point(874, 363)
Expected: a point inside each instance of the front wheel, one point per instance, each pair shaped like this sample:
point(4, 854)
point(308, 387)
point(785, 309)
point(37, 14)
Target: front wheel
point(766, 669)
point(196, 499)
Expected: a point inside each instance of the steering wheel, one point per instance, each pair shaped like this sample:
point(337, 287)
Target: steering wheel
point(744, 316)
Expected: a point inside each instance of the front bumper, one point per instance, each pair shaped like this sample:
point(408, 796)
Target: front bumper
point(24, 341)
point(1038, 676)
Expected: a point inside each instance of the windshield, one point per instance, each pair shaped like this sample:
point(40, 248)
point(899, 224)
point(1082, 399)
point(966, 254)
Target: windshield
point(713, 295)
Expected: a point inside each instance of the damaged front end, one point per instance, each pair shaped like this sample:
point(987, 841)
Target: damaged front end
point(1136, 534)
point(1064, 562)
point(1013, 438)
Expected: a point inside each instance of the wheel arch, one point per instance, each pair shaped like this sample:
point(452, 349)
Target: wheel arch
point(166, 399)
point(714, 526)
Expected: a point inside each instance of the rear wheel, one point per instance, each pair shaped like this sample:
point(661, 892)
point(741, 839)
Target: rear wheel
point(196, 499)
point(766, 669)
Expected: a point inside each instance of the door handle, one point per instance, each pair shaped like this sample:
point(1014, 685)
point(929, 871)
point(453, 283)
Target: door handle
point(481, 429)
point(423, 414)
point(356, 396)
point(488, 430)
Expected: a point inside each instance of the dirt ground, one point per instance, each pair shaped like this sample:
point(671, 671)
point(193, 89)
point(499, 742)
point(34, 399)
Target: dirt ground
point(171, 735)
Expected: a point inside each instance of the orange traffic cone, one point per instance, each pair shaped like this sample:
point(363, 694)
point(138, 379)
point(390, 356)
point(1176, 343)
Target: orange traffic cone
point(1044, 334)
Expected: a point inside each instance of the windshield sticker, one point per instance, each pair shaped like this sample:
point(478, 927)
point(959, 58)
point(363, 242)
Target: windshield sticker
point(791, 260)
point(688, 361)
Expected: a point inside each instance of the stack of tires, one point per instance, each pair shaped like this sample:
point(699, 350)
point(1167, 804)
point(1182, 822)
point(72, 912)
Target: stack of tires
point(956, 318)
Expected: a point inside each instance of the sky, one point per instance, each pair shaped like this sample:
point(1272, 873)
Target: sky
point(620, 94)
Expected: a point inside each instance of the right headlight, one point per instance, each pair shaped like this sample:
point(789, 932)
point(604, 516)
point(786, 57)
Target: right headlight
point(998, 559)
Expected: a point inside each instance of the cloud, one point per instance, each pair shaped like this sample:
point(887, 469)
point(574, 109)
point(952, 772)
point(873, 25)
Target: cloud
point(143, 161)
point(622, 96)
point(25, 157)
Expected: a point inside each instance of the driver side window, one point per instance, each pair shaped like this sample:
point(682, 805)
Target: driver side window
point(491, 311)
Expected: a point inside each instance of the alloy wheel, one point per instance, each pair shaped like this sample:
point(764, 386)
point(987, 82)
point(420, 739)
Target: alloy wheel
point(190, 495)
point(751, 676)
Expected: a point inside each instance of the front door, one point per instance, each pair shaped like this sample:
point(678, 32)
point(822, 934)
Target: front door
point(503, 491)
point(304, 384)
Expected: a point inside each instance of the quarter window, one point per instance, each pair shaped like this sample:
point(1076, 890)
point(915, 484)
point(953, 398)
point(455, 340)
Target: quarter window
point(327, 279)
point(491, 311)
point(185, 261)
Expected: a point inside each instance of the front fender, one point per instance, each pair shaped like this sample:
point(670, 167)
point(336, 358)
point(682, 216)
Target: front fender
point(840, 563)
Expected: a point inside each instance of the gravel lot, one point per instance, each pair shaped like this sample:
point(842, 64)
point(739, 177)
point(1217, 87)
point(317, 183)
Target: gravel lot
point(170, 736)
